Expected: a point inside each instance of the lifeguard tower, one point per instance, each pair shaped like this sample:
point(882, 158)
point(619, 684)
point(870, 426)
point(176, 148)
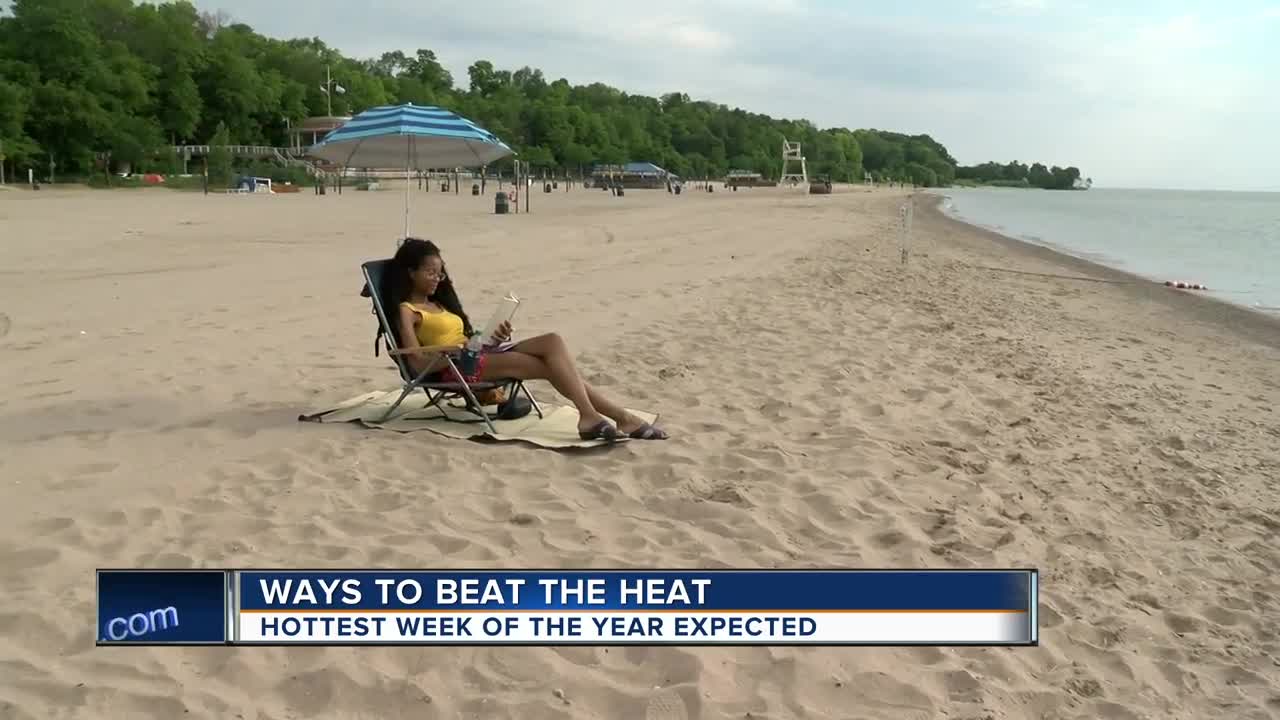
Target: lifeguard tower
point(792, 160)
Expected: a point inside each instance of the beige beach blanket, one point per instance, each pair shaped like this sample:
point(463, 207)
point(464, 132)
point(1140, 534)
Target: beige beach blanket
point(558, 428)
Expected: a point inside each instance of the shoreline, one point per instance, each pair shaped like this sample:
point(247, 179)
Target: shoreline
point(1252, 324)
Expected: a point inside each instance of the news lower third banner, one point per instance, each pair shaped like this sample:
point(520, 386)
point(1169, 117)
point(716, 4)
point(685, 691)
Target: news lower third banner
point(568, 607)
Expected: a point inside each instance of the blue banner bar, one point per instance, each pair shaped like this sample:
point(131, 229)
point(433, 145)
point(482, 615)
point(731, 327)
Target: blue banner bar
point(709, 590)
point(152, 607)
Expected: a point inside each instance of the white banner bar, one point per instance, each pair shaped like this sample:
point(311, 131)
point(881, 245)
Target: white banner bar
point(639, 628)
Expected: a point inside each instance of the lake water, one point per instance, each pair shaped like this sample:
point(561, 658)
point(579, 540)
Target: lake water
point(1228, 241)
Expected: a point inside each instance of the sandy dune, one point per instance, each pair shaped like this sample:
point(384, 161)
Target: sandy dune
point(831, 407)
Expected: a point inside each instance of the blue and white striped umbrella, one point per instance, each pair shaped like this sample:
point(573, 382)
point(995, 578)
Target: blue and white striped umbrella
point(412, 137)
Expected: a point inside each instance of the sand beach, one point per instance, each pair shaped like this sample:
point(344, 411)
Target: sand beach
point(986, 404)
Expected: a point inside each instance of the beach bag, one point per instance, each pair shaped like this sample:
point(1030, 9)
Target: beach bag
point(496, 396)
point(514, 408)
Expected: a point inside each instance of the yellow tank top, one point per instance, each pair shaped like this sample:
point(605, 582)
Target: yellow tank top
point(442, 328)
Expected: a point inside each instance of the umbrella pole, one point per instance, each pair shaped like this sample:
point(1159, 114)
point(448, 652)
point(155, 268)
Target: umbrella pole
point(408, 153)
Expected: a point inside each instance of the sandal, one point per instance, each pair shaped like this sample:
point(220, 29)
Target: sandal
point(602, 431)
point(648, 432)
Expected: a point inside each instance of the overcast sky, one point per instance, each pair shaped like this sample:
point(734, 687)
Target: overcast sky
point(1136, 93)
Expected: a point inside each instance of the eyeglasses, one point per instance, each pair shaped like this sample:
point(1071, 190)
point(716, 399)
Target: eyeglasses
point(436, 274)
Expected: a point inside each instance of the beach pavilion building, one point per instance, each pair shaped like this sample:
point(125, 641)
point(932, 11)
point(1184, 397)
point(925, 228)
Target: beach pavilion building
point(745, 178)
point(644, 175)
point(311, 131)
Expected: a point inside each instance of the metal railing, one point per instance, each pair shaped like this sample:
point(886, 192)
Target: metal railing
point(237, 150)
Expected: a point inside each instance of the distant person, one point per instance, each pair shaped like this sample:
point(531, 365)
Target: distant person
point(426, 312)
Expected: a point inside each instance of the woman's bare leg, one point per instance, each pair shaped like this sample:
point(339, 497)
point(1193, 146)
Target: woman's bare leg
point(612, 410)
point(553, 351)
point(520, 365)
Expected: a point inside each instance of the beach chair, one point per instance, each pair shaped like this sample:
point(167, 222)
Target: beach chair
point(439, 394)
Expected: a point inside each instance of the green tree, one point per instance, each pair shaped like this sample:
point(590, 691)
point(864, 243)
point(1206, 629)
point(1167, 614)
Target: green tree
point(426, 69)
point(1039, 176)
point(484, 79)
point(17, 148)
point(220, 159)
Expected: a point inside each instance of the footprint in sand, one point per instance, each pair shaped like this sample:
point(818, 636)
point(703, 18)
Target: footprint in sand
point(1181, 624)
point(873, 410)
point(52, 526)
point(962, 686)
point(1222, 617)
point(666, 704)
point(95, 468)
point(916, 394)
point(889, 539)
point(28, 559)
point(385, 502)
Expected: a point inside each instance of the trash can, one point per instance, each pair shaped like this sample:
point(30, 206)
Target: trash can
point(677, 189)
point(500, 204)
point(621, 192)
point(546, 187)
point(475, 188)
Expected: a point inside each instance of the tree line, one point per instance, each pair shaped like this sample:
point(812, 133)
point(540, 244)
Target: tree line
point(83, 78)
point(1016, 174)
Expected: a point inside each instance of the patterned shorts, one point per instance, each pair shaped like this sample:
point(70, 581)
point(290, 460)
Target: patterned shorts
point(471, 367)
point(468, 370)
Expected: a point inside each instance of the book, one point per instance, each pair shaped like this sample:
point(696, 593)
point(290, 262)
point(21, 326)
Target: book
point(505, 311)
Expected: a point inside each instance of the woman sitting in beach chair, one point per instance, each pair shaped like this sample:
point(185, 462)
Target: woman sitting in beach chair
point(425, 312)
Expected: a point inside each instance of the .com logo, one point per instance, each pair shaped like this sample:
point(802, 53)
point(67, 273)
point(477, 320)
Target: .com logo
point(140, 624)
